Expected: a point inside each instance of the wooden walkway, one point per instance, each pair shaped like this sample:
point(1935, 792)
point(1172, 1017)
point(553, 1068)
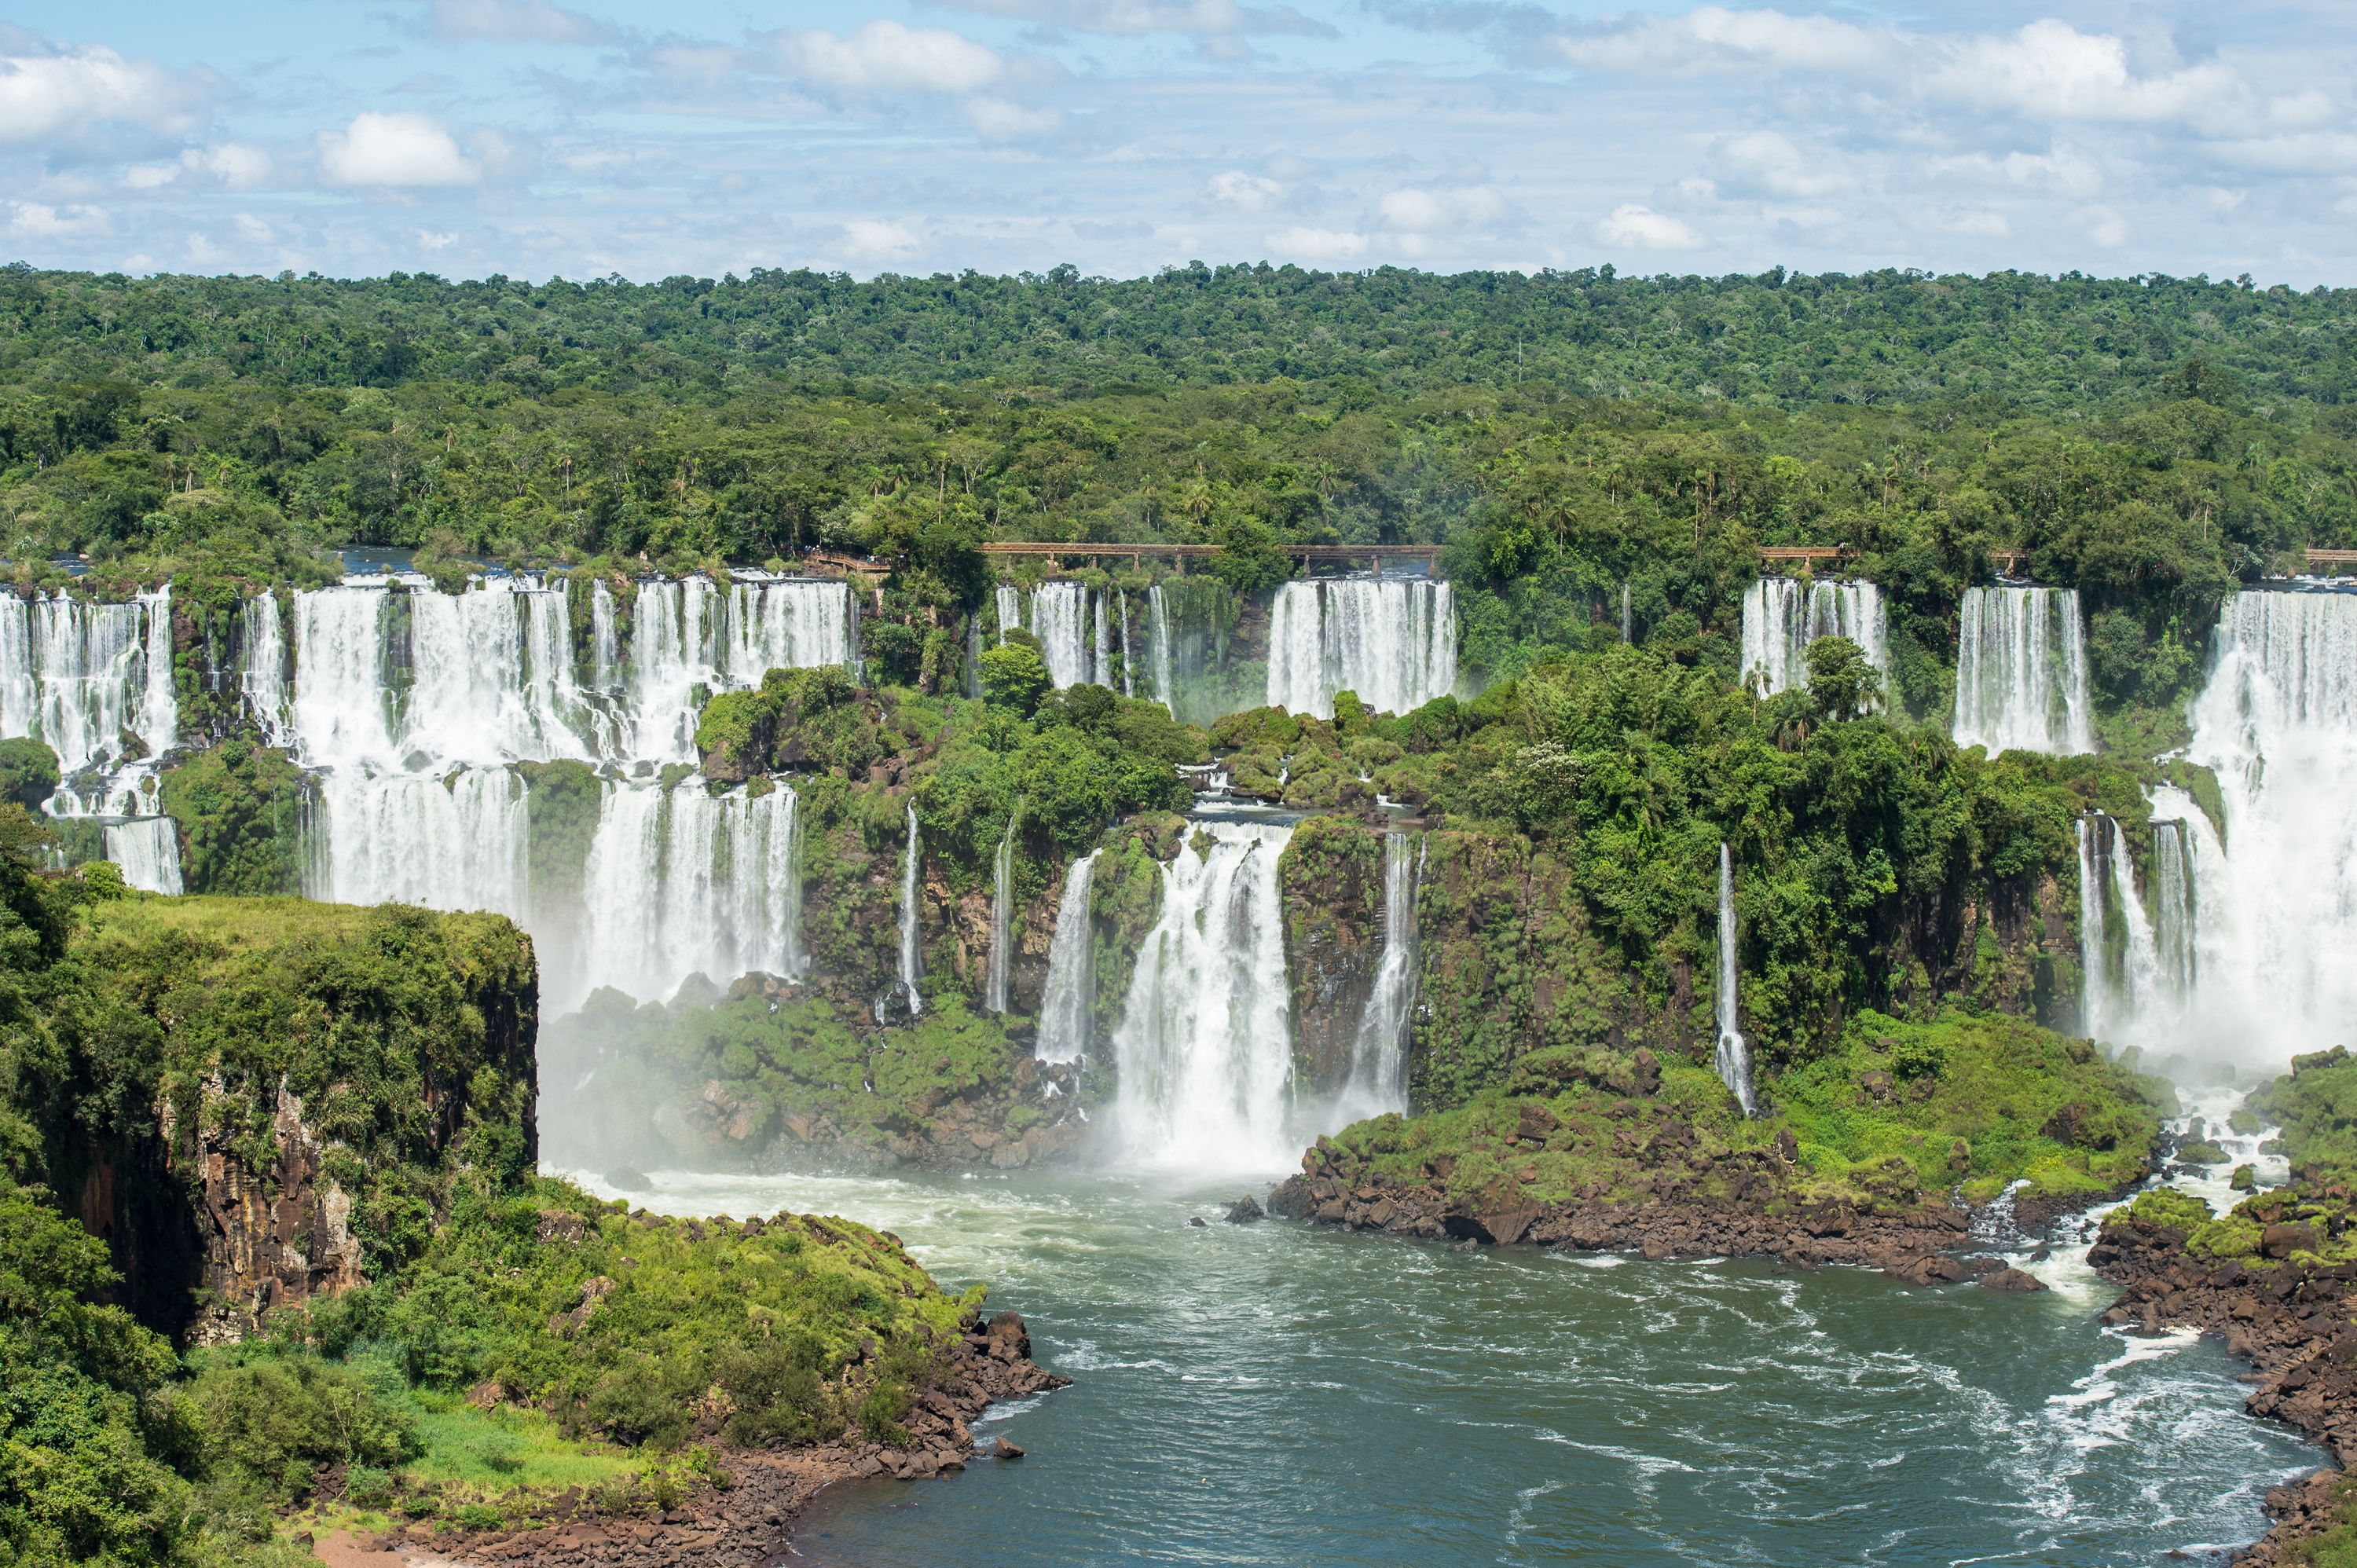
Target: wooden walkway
point(1374, 556)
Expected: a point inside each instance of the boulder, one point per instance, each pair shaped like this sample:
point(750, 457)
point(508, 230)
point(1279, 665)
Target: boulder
point(1002, 1449)
point(2282, 1240)
point(1506, 1228)
point(1243, 1211)
point(1536, 1122)
point(2011, 1279)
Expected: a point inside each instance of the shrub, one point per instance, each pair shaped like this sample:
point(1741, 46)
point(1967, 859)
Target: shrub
point(279, 1418)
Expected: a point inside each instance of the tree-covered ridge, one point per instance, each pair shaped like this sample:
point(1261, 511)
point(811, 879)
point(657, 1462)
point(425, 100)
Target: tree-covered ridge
point(1879, 338)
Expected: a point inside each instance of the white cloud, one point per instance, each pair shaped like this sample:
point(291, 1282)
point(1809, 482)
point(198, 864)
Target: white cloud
point(2066, 171)
point(249, 227)
point(1635, 227)
point(1713, 38)
point(877, 240)
point(1243, 192)
point(1133, 18)
point(429, 241)
point(2107, 228)
point(885, 57)
point(1766, 163)
point(512, 21)
point(995, 120)
point(1966, 222)
point(237, 165)
point(402, 150)
point(1442, 212)
point(45, 96)
point(1316, 244)
point(38, 220)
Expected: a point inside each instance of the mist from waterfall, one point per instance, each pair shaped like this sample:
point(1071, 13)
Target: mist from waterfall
point(2021, 671)
point(1782, 616)
point(1733, 1054)
point(1391, 641)
point(1379, 1051)
point(1070, 1000)
point(1205, 1041)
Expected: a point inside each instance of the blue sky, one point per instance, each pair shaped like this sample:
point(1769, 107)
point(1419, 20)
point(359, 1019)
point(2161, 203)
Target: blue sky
point(533, 138)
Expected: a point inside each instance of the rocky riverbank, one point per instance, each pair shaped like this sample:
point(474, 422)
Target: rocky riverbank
point(750, 1518)
point(2280, 1305)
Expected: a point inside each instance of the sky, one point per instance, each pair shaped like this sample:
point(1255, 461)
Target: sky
point(535, 137)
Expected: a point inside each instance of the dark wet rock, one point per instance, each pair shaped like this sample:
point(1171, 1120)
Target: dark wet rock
point(2282, 1240)
point(1197, 1221)
point(2011, 1279)
point(1002, 1449)
point(1243, 1211)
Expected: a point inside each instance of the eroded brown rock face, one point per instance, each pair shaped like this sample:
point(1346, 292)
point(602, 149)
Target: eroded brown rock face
point(272, 1238)
point(2292, 1321)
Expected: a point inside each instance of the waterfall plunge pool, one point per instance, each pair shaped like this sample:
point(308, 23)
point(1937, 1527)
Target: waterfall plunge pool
point(1273, 1394)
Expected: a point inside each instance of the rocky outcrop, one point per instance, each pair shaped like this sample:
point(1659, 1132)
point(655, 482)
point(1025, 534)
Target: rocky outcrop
point(752, 1517)
point(2290, 1319)
point(1331, 879)
point(272, 1237)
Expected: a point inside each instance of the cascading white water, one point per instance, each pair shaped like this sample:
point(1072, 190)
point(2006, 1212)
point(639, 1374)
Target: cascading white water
point(2122, 999)
point(1010, 612)
point(1059, 619)
point(2277, 892)
point(1391, 641)
point(408, 703)
point(1733, 1056)
point(78, 675)
point(1128, 670)
point(974, 657)
point(2021, 671)
point(262, 673)
point(1002, 918)
point(2173, 929)
point(682, 882)
point(1102, 673)
point(1071, 995)
point(1628, 622)
point(1157, 646)
point(148, 851)
point(1379, 1050)
point(912, 958)
point(1205, 1045)
point(1782, 616)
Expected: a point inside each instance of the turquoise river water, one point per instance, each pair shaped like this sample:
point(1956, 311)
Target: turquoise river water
point(1276, 1395)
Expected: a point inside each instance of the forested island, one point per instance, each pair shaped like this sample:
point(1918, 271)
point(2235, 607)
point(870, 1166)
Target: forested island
point(460, 733)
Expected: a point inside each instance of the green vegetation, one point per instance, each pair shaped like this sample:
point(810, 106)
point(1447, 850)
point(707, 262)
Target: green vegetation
point(240, 810)
point(2316, 1103)
point(1896, 1112)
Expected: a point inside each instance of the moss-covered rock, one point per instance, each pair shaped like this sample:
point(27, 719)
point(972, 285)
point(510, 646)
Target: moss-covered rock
point(239, 808)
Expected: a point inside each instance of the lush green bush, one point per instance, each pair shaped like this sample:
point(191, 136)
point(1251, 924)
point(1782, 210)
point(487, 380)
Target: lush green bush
point(279, 1419)
point(239, 808)
point(29, 771)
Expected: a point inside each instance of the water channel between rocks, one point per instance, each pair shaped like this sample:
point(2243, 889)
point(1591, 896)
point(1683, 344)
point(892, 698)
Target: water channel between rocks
point(1270, 1393)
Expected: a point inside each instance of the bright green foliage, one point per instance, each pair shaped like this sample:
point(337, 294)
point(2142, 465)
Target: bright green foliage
point(29, 771)
point(276, 1420)
point(239, 808)
point(796, 719)
point(2317, 1105)
point(1013, 676)
point(562, 801)
point(1900, 1112)
point(1840, 682)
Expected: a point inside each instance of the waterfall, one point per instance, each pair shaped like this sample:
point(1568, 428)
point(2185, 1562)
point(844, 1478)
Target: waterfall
point(453, 843)
point(1378, 1079)
point(1734, 1052)
point(2022, 673)
point(2173, 877)
point(1103, 673)
point(1010, 612)
point(1066, 1005)
point(1128, 675)
point(79, 674)
point(1002, 917)
point(262, 674)
point(912, 959)
point(1059, 619)
point(148, 851)
point(1157, 647)
point(1628, 623)
point(682, 882)
point(1782, 618)
point(605, 641)
point(2277, 720)
point(1392, 641)
point(1205, 1043)
point(974, 657)
point(2122, 998)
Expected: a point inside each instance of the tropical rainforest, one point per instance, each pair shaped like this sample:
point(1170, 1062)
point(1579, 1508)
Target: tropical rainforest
point(1561, 441)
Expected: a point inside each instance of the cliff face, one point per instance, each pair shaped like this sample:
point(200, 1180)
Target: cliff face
point(1331, 878)
point(263, 1095)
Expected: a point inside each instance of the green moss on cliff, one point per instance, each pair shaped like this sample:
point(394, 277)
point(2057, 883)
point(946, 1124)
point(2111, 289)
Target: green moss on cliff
point(1899, 1110)
point(241, 810)
point(2316, 1103)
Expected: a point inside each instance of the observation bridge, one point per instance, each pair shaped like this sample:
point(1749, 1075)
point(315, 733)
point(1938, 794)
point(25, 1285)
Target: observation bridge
point(1374, 556)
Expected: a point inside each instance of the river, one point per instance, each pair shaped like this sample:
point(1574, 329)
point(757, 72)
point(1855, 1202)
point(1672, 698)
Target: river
point(1274, 1393)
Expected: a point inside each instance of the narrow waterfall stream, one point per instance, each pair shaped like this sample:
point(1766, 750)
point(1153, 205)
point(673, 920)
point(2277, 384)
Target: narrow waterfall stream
point(1379, 1051)
point(1002, 915)
point(1782, 616)
point(1071, 995)
point(148, 851)
point(1157, 646)
point(912, 956)
point(2021, 671)
point(1733, 1054)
